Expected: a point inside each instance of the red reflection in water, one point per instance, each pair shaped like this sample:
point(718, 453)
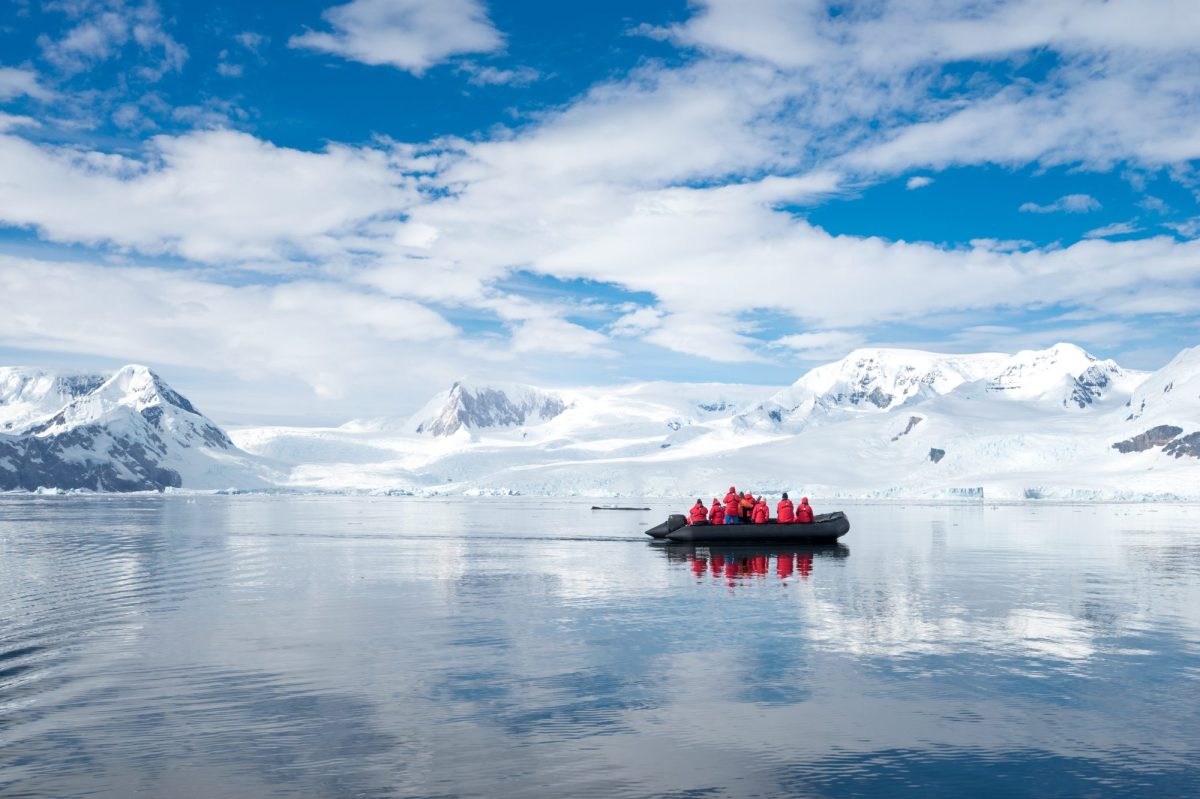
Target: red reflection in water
point(757, 566)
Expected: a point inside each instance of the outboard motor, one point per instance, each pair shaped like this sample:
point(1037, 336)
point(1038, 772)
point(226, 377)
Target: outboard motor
point(673, 523)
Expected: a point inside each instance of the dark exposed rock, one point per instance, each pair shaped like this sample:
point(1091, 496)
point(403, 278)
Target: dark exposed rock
point(877, 397)
point(1187, 445)
point(715, 407)
point(153, 415)
point(1089, 386)
point(913, 421)
point(936, 454)
point(29, 462)
point(1154, 437)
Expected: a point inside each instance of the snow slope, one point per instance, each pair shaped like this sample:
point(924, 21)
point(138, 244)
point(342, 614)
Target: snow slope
point(879, 423)
point(122, 432)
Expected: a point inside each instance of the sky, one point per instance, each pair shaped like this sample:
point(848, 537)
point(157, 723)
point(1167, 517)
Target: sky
point(312, 211)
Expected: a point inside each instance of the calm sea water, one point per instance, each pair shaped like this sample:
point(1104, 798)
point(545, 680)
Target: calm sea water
point(356, 647)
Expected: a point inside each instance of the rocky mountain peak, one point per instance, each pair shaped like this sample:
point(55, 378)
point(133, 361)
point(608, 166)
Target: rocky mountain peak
point(475, 407)
point(120, 432)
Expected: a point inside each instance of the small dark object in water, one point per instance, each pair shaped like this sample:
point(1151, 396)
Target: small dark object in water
point(614, 507)
point(826, 527)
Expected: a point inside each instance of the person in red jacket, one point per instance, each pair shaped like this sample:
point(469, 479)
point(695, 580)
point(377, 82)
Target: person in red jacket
point(698, 513)
point(761, 513)
point(733, 509)
point(804, 513)
point(785, 512)
point(716, 514)
point(732, 493)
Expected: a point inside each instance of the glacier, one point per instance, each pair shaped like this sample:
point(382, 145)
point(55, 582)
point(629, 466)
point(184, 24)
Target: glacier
point(881, 423)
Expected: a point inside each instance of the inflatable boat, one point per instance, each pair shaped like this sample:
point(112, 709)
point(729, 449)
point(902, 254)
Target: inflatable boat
point(825, 528)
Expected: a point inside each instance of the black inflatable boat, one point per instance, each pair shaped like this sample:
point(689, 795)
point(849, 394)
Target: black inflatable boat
point(825, 528)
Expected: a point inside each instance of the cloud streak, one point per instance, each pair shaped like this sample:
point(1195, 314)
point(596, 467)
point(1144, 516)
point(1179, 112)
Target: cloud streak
point(1069, 203)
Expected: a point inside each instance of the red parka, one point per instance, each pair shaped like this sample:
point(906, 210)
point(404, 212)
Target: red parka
point(716, 514)
point(699, 513)
point(761, 513)
point(785, 511)
point(730, 495)
point(804, 513)
point(733, 505)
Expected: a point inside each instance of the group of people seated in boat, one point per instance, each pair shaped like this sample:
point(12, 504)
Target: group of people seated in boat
point(743, 508)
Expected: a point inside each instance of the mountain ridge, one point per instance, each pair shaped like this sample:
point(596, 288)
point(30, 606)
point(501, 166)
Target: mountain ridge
point(1034, 424)
point(882, 423)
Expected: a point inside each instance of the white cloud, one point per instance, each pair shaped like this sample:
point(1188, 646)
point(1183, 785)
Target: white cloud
point(636, 323)
point(1068, 203)
point(16, 82)
point(801, 33)
point(1155, 204)
point(678, 182)
point(1122, 109)
point(251, 41)
point(413, 35)
point(714, 337)
point(495, 76)
point(557, 336)
point(323, 334)
point(91, 41)
point(102, 31)
point(918, 182)
point(1115, 229)
point(210, 196)
point(788, 33)
point(1188, 228)
point(821, 344)
point(12, 121)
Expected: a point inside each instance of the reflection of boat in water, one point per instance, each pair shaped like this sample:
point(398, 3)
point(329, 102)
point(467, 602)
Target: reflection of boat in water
point(825, 528)
point(747, 561)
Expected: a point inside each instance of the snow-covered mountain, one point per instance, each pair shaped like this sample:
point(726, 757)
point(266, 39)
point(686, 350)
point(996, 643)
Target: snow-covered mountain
point(878, 423)
point(126, 431)
point(879, 380)
point(1166, 407)
point(1054, 423)
point(1062, 375)
point(472, 407)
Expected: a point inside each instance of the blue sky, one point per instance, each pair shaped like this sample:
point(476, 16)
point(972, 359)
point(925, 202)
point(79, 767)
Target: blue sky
point(317, 210)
